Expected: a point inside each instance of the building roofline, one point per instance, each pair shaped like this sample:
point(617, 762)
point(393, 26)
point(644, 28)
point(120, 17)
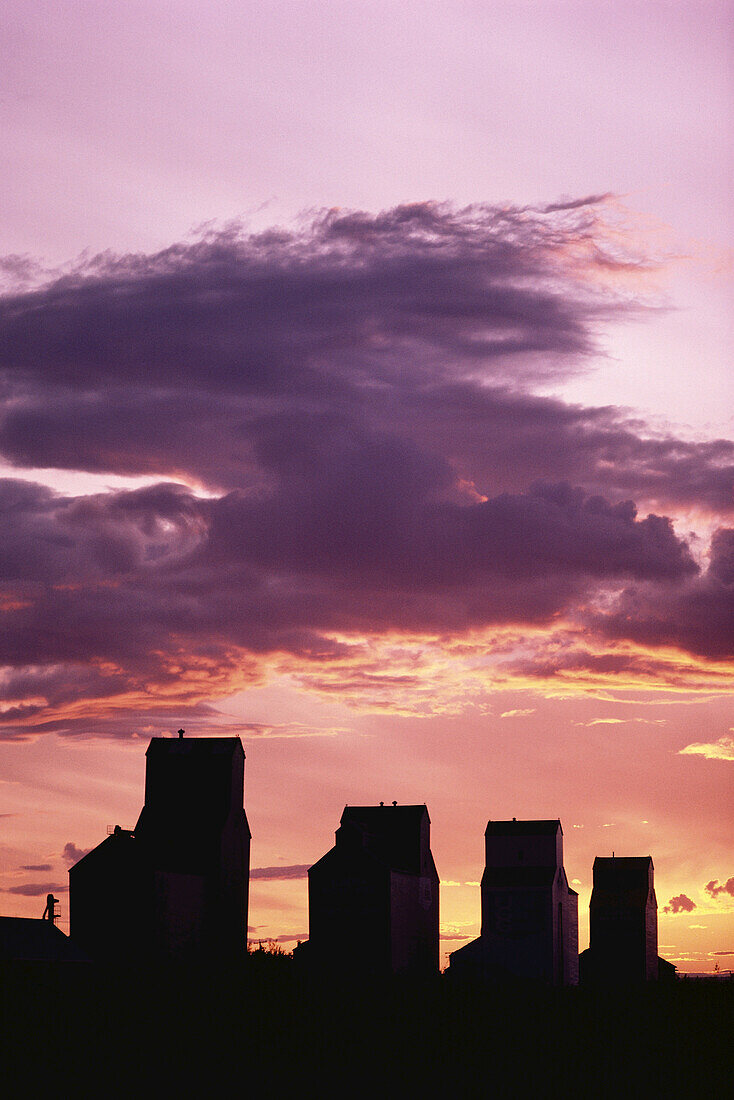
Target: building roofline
point(382, 807)
point(624, 861)
point(540, 827)
point(185, 743)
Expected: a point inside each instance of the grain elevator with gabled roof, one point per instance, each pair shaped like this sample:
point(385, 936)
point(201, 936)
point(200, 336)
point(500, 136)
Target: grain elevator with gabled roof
point(529, 912)
point(623, 923)
point(175, 886)
point(373, 898)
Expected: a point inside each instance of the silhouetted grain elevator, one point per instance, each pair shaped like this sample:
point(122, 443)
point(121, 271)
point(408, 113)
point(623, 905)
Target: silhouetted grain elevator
point(373, 898)
point(175, 886)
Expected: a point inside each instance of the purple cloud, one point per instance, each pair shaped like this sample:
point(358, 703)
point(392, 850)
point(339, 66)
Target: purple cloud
point(149, 364)
point(37, 889)
point(697, 616)
point(680, 904)
point(295, 871)
point(358, 397)
point(714, 889)
point(72, 854)
point(157, 585)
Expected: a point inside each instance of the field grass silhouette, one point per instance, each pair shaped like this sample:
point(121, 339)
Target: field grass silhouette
point(268, 1029)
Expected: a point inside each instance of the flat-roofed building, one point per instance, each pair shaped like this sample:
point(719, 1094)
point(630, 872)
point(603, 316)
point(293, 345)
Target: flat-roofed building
point(23, 939)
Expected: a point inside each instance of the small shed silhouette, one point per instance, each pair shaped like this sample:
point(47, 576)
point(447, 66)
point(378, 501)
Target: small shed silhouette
point(175, 886)
point(529, 912)
point(623, 919)
point(23, 939)
point(373, 898)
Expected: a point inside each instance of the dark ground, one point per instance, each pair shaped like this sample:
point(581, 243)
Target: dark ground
point(266, 1030)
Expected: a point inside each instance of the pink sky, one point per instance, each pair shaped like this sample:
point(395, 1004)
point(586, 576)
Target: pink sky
point(483, 692)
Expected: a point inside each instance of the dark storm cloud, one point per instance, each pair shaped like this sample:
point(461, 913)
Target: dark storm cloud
point(159, 587)
point(500, 438)
point(492, 436)
point(422, 322)
point(697, 616)
point(375, 515)
point(351, 300)
point(356, 394)
point(46, 538)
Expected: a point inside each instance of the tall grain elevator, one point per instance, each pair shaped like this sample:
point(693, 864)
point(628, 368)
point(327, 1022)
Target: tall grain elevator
point(175, 886)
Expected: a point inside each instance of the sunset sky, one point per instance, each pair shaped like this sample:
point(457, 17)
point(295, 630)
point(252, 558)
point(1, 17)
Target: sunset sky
point(366, 391)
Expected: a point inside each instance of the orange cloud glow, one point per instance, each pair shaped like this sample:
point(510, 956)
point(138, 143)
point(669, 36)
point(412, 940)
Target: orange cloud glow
point(723, 749)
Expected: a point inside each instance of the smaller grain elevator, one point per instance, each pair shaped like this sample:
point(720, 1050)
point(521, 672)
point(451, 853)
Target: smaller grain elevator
point(529, 912)
point(623, 922)
point(373, 898)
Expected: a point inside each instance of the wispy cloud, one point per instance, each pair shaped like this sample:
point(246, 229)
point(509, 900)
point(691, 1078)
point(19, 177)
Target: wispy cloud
point(37, 889)
point(299, 870)
point(288, 730)
point(723, 749)
point(623, 721)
